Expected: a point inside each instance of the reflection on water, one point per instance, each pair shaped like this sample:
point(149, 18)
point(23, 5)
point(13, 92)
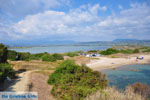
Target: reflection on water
point(125, 75)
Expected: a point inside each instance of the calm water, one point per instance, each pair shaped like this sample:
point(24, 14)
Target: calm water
point(129, 74)
point(60, 48)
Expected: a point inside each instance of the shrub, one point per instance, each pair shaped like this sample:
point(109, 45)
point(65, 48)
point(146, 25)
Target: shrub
point(109, 51)
point(6, 70)
point(141, 89)
point(3, 53)
point(128, 51)
point(136, 51)
point(72, 54)
point(146, 50)
point(48, 57)
point(92, 51)
point(23, 56)
point(58, 56)
point(12, 55)
point(37, 56)
point(74, 82)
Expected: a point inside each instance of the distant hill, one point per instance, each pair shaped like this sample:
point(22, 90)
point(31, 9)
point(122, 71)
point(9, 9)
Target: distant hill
point(119, 42)
point(124, 40)
point(37, 43)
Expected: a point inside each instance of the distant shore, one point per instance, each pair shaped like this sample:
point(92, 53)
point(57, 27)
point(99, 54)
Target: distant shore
point(102, 63)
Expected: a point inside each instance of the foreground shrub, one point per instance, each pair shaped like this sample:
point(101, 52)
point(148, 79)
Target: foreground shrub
point(6, 70)
point(74, 82)
point(109, 51)
point(142, 89)
point(112, 93)
point(72, 54)
point(58, 56)
point(48, 57)
point(3, 53)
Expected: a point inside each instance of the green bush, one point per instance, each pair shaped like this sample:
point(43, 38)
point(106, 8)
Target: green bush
point(74, 82)
point(3, 53)
point(12, 55)
point(48, 57)
point(92, 51)
point(37, 56)
point(128, 51)
point(6, 70)
point(23, 56)
point(72, 54)
point(146, 50)
point(58, 56)
point(136, 51)
point(109, 51)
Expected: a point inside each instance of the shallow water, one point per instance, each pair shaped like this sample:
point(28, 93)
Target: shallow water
point(129, 74)
point(60, 48)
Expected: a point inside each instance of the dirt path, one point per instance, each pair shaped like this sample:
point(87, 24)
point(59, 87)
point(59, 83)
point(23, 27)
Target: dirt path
point(21, 83)
point(40, 85)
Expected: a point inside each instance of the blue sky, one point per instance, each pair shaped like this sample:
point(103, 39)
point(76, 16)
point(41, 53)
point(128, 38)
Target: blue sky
point(76, 20)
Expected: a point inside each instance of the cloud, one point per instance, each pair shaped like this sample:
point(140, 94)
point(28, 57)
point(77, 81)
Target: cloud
point(21, 8)
point(120, 7)
point(85, 24)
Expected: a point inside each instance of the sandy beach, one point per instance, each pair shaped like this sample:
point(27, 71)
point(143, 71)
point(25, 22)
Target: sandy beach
point(101, 63)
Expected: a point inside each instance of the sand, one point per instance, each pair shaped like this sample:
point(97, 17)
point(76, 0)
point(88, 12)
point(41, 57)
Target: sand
point(101, 63)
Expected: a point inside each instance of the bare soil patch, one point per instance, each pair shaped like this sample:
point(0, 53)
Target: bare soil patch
point(40, 85)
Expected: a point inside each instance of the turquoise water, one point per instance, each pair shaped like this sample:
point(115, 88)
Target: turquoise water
point(129, 74)
point(60, 48)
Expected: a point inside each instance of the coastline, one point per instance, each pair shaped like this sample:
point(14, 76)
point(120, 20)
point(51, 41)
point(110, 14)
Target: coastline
point(102, 63)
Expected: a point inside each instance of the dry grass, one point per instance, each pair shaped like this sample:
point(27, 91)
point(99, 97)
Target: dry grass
point(113, 94)
point(34, 65)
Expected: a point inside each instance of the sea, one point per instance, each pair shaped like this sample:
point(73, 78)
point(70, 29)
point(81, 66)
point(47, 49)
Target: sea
point(58, 48)
point(128, 75)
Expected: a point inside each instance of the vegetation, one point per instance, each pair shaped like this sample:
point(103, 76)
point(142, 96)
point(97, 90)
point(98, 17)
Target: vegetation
point(72, 54)
point(127, 51)
point(36, 56)
point(136, 51)
point(6, 70)
point(74, 82)
point(12, 55)
point(58, 56)
point(3, 53)
point(92, 51)
point(141, 89)
point(146, 49)
point(112, 93)
point(48, 57)
point(109, 51)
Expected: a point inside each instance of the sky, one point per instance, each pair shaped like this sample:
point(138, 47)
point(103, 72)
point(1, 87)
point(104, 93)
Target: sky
point(73, 20)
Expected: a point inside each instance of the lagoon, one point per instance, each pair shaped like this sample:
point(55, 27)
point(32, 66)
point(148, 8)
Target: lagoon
point(58, 48)
point(129, 74)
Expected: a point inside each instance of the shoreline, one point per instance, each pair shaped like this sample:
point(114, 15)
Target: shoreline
point(112, 63)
